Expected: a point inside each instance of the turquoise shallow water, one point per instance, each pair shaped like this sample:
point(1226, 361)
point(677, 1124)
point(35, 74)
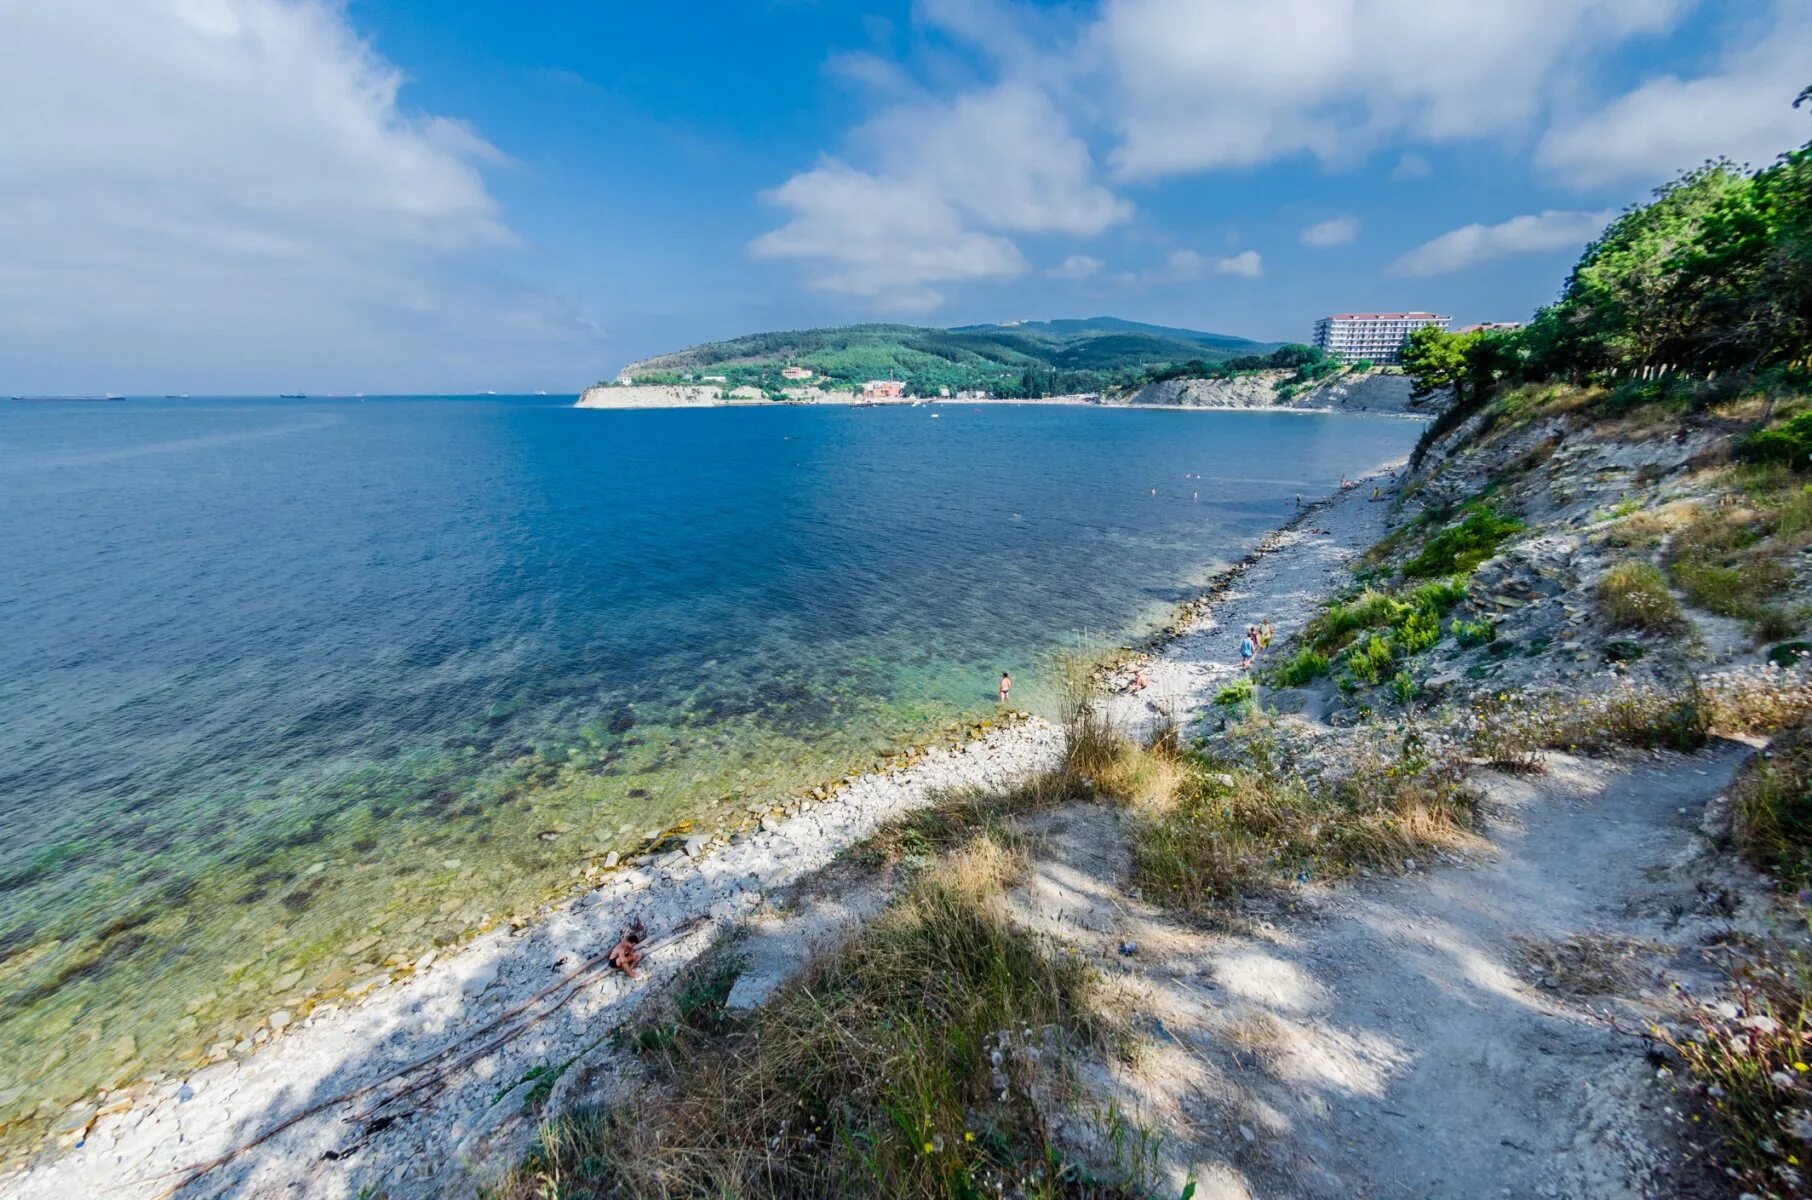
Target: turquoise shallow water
point(288, 687)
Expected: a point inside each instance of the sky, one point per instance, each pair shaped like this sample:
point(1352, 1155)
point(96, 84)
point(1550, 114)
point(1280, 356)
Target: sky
point(254, 196)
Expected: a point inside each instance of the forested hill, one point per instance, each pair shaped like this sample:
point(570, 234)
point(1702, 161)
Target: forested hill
point(1032, 358)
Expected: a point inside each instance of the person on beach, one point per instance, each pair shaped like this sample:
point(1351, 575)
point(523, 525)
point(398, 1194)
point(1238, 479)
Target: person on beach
point(1139, 682)
point(1006, 686)
point(1265, 633)
point(1247, 648)
point(1376, 496)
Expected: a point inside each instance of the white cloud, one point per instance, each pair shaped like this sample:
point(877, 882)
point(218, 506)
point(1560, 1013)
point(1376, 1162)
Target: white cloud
point(1076, 266)
point(883, 239)
point(1529, 234)
point(1742, 110)
point(1335, 231)
point(1200, 84)
point(1247, 264)
point(951, 180)
point(228, 190)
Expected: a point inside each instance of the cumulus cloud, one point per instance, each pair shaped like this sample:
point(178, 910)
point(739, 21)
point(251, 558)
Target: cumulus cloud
point(235, 183)
point(1247, 264)
point(1741, 110)
point(1076, 266)
point(1530, 234)
point(951, 180)
point(1202, 84)
point(1336, 231)
point(884, 239)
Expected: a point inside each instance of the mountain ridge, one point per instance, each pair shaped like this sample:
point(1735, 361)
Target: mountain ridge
point(1033, 357)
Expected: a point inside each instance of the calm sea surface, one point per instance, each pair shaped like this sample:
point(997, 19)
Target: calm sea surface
point(289, 687)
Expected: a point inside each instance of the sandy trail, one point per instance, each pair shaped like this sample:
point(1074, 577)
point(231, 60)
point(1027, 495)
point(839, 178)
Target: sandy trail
point(1388, 1039)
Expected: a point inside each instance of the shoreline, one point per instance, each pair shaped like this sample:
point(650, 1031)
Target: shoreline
point(127, 1143)
point(1001, 402)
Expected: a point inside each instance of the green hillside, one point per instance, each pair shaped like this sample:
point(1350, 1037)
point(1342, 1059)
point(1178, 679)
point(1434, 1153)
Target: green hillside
point(1029, 359)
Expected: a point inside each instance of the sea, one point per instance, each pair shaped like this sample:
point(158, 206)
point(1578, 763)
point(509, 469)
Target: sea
point(295, 689)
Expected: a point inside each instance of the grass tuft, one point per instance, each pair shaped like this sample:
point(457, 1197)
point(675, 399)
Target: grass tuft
point(1771, 810)
point(1633, 595)
point(914, 1061)
point(1233, 829)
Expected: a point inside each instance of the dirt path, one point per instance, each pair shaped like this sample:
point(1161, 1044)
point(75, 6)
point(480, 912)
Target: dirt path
point(1389, 1039)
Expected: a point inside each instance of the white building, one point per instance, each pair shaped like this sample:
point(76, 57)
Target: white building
point(1377, 336)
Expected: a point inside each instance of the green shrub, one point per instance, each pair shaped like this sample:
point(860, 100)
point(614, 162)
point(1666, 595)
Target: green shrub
point(1303, 667)
point(1460, 548)
point(1420, 629)
point(1789, 443)
point(1438, 595)
point(1237, 694)
point(1369, 659)
point(1335, 627)
point(1634, 596)
point(1475, 633)
point(1403, 687)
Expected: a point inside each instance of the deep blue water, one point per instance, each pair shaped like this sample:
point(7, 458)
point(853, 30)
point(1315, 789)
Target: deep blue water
point(269, 667)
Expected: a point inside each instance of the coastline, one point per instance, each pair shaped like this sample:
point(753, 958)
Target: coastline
point(1392, 399)
point(137, 1144)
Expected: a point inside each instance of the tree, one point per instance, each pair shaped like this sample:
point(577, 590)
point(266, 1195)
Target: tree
point(1435, 361)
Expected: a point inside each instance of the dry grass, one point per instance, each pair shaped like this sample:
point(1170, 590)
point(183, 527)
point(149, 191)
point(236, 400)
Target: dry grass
point(1633, 595)
point(1510, 730)
point(1731, 557)
point(1650, 527)
point(1229, 829)
point(1771, 806)
point(918, 1060)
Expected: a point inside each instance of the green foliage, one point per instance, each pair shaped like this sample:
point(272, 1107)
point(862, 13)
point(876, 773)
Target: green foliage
point(1237, 694)
point(1475, 633)
point(1403, 687)
point(1370, 658)
point(1789, 444)
point(1303, 667)
point(1711, 274)
point(1460, 548)
point(1419, 630)
point(1010, 361)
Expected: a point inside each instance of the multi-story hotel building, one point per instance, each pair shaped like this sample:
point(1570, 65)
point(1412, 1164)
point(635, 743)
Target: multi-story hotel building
point(1377, 336)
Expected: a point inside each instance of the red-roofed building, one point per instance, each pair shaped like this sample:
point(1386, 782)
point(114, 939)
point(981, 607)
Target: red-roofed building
point(883, 389)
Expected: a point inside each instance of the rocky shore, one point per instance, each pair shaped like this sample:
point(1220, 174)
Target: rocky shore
point(441, 1067)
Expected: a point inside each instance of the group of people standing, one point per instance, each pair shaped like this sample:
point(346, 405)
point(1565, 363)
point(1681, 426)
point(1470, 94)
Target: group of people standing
point(1256, 640)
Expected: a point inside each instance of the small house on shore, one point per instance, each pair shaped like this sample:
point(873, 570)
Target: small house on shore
point(883, 389)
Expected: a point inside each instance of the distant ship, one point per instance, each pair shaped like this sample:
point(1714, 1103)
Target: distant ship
point(291, 396)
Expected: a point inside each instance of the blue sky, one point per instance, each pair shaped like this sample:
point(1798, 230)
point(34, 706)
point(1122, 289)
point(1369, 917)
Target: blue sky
point(278, 195)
